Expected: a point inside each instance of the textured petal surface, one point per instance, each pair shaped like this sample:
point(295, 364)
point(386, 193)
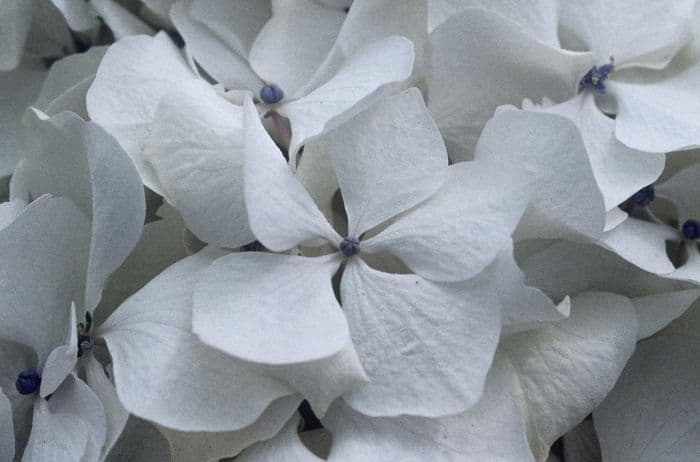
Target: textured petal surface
point(158, 361)
point(652, 413)
point(282, 214)
point(45, 255)
point(211, 447)
point(477, 218)
point(635, 33)
point(426, 347)
point(387, 159)
point(133, 77)
point(659, 116)
point(206, 26)
point(568, 368)
point(294, 42)
point(478, 60)
point(196, 150)
point(374, 70)
point(263, 296)
point(620, 171)
point(69, 426)
point(549, 151)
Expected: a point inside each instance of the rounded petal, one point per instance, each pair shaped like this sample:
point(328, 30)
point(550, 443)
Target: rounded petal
point(15, 20)
point(77, 14)
point(659, 116)
point(120, 21)
point(284, 447)
point(218, 34)
point(683, 189)
point(478, 60)
point(282, 214)
point(620, 171)
point(282, 308)
point(69, 426)
point(158, 361)
point(294, 42)
point(373, 71)
point(549, 151)
point(644, 34)
point(652, 413)
point(196, 150)
point(479, 207)
point(7, 435)
point(61, 360)
point(387, 160)
point(133, 77)
point(45, 253)
point(426, 347)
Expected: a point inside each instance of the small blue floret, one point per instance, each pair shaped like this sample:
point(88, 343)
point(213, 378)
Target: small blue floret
point(644, 196)
point(85, 343)
point(28, 381)
point(691, 229)
point(350, 246)
point(271, 94)
point(595, 78)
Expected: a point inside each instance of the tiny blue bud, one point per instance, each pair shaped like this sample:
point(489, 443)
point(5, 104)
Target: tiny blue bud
point(644, 196)
point(350, 246)
point(28, 382)
point(595, 78)
point(85, 343)
point(691, 229)
point(271, 94)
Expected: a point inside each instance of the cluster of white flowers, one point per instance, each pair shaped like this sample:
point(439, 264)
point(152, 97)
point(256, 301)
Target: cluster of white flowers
point(380, 230)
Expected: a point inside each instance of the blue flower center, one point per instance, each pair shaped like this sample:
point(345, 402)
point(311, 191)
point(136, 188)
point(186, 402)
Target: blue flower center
point(85, 341)
point(691, 229)
point(350, 246)
point(644, 196)
point(595, 78)
point(28, 381)
point(271, 94)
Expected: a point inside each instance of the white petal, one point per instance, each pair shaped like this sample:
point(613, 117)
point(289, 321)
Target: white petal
point(654, 312)
point(371, 20)
point(10, 210)
point(322, 381)
point(158, 361)
point(492, 430)
point(68, 81)
point(20, 88)
point(426, 347)
point(282, 214)
point(652, 413)
point(659, 116)
point(116, 415)
point(567, 369)
point(683, 189)
point(15, 19)
point(189, 446)
point(478, 61)
point(218, 47)
point(570, 206)
point(15, 358)
point(62, 359)
point(642, 244)
point(293, 43)
point(7, 434)
point(120, 21)
point(644, 34)
point(79, 160)
point(373, 71)
point(284, 447)
point(538, 18)
point(522, 307)
point(196, 150)
point(387, 159)
point(69, 426)
point(479, 207)
point(133, 77)
point(619, 171)
point(262, 296)
point(77, 14)
point(45, 250)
